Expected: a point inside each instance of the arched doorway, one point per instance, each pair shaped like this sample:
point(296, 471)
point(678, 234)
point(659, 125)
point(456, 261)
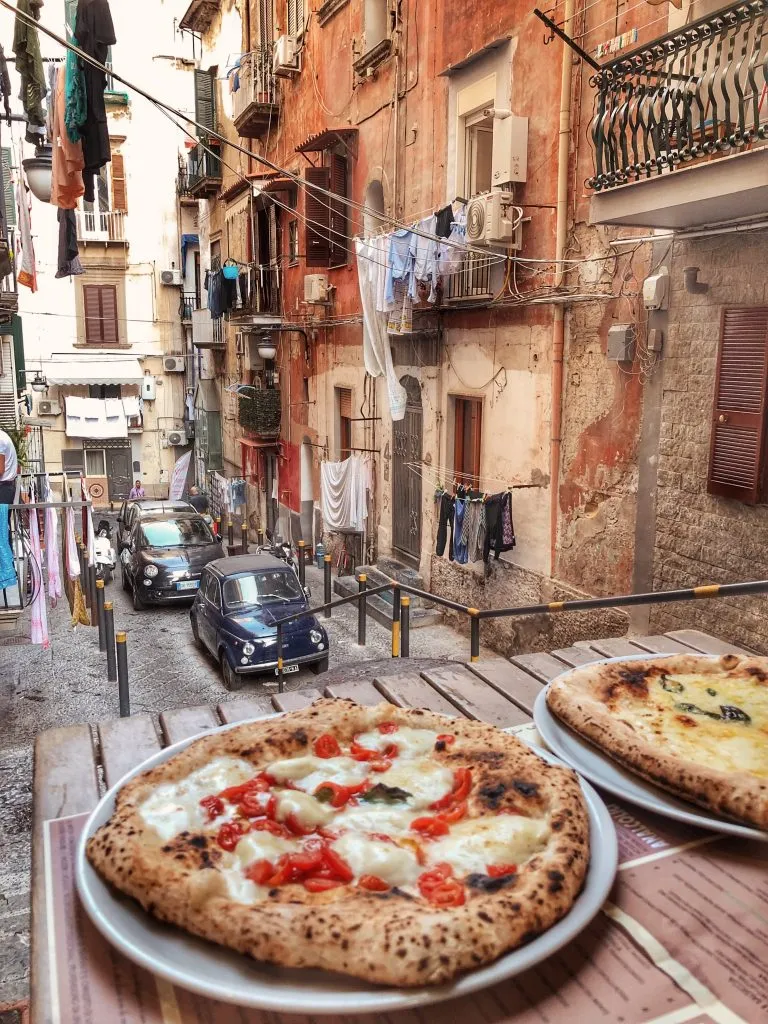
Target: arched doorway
point(406, 476)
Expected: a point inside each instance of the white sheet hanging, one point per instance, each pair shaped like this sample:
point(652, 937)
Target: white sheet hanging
point(95, 418)
point(344, 494)
point(377, 354)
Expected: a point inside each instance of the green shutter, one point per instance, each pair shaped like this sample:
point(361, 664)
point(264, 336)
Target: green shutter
point(18, 353)
point(10, 199)
point(205, 101)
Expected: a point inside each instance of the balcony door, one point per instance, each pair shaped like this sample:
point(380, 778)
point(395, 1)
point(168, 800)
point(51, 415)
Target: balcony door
point(406, 476)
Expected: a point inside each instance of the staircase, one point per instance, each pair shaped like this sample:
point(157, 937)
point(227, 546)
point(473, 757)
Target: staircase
point(379, 606)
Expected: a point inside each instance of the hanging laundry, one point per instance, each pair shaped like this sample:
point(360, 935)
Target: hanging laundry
point(27, 272)
point(377, 355)
point(75, 99)
point(29, 64)
point(401, 317)
point(453, 250)
point(460, 552)
point(95, 33)
point(5, 84)
point(400, 263)
point(444, 524)
point(39, 617)
point(214, 281)
point(444, 221)
point(425, 263)
point(67, 185)
point(52, 548)
point(69, 264)
point(343, 489)
point(498, 536)
point(7, 566)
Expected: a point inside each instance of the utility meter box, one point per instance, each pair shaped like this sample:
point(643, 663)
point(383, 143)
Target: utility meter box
point(621, 343)
point(148, 389)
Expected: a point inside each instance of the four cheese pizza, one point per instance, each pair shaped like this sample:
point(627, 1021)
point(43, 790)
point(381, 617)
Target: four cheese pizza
point(695, 725)
point(394, 845)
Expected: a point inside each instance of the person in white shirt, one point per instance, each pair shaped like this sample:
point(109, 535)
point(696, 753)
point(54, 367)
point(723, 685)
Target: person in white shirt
point(9, 465)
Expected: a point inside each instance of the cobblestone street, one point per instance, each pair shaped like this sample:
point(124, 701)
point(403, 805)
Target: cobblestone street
point(67, 685)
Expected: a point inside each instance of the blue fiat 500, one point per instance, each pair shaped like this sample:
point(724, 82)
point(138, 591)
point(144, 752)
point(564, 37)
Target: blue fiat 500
point(234, 614)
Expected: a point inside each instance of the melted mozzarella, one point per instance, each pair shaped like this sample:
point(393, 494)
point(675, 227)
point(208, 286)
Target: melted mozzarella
point(410, 742)
point(309, 812)
point(374, 857)
point(175, 806)
point(309, 772)
point(261, 846)
point(390, 821)
point(475, 843)
point(241, 889)
point(425, 779)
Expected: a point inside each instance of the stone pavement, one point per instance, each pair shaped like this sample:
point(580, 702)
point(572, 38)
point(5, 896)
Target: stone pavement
point(67, 685)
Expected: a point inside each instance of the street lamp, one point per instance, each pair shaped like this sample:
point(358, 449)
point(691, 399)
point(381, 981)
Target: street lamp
point(39, 382)
point(39, 171)
point(266, 347)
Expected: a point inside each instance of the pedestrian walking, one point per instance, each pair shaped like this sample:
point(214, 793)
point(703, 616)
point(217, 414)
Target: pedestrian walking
point(198, 501)
point(137, 492)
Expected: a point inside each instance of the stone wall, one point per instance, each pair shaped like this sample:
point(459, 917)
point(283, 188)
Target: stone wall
point(701, 538)
point(503, 585)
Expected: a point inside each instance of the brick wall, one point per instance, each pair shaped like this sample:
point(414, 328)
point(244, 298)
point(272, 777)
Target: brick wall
point(701, 538)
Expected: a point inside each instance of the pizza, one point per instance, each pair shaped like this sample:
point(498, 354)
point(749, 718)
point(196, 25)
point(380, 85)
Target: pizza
point(695, 725)
point(398, 846)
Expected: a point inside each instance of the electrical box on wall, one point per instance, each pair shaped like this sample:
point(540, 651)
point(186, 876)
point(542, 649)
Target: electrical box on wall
point(148, 389)
point(510, 147)
point(621, 343)
point(656, 290)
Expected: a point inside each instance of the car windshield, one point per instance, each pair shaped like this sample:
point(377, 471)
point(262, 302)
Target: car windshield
point(176, 533)
point(261, 588)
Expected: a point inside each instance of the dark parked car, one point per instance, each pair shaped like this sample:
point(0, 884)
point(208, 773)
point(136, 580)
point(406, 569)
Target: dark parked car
point(165, 556)
point(132, 511)
point(234, 613)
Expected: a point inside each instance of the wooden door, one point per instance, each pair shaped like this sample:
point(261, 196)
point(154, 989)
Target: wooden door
point(406, 476)
point(119, 473)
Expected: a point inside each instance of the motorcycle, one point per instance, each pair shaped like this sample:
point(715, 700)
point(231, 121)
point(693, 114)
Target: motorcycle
point(104, 553)
point(280, 549)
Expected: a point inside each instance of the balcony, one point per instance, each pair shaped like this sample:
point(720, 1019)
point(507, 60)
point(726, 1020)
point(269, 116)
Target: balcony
point(204, 171)
point(9, 292)
point(256, 104)
point(189, 302)
point(104, 226)
point(207, 332)
point(184, 188)
point(263, 304)
point(472, 283)
point(259, 412)
point(681, 125)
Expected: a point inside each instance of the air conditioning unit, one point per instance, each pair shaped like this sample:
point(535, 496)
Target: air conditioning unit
point(493, 218)
point(316, 288)
point(172, 277)
point(49, 409)
point(285, 59)
point(177, 437)
point(174, 364)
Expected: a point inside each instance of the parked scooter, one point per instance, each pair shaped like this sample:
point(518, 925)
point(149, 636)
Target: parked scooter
point(280, 549)
point(104, 553)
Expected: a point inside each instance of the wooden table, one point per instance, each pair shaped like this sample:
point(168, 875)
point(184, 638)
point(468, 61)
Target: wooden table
point(74, 765)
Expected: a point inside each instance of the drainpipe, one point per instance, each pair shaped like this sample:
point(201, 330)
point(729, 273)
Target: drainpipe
point(558, 326)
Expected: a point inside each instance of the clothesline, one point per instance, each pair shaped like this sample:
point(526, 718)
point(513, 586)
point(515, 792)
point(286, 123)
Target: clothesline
point(439, 472)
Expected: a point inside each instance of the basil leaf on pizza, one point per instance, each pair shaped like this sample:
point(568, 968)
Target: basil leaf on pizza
point(695, 725)
point(394, 845)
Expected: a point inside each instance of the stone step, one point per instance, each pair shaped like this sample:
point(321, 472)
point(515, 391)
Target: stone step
point(386, 570)
point(380, 609)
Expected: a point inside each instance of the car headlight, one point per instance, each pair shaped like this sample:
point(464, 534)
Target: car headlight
point(150, 570)
point(248, 648)
point(315, 636)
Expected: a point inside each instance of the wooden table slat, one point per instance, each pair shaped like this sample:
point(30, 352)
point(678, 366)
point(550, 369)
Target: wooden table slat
point(242, 710)
point(126, 742)
point(542, 666)
point(474, 697)
point(65, 783)
point(614, 647)
point(295, 700)
point(510, 680)
point(181, 723)
point(704, 643)
point(659, 644)
point(409, 690)
point(363, 692)
point(575, 656)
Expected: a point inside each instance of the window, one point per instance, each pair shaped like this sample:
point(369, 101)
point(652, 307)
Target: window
point(737, 458)
point(339, 237)
point(327, 230)
point(212, 591)
point(205, 102)
point(104, 391)
point(260, 589)
point(478, 153)
point(293, 241)
point(72, 461)
point(294, 17)
point(117, 174)
point(176, 533)
point(94, 462)
point(100, 313)
point(468, 418)
point(344, 406)
point(375, 23)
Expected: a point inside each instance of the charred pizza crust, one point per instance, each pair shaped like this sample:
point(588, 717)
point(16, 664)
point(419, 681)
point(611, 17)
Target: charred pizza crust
point(596, 702)
point(392, 938)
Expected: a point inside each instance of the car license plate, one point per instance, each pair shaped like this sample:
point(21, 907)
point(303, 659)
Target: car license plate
point(188, 584)
point(287, 669)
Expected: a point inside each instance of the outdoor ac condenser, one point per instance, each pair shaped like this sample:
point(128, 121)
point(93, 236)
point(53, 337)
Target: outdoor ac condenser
point(316, 288)
point(493, 219)
point(174, 364)
point(284, 59)
point(176, 437)
point(171, 277)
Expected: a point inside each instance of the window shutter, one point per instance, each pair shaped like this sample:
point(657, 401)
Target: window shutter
point(338, 233)
point(119, 196)
point(318, 217)
point(345, 402)
point(100, 312)
point(10, 201)
point(205, 101)
point(295, 17)
point(739, 414)
point(109, 314)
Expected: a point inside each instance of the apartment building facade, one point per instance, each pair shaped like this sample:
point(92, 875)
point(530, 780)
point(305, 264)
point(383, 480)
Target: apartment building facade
point(542, 368)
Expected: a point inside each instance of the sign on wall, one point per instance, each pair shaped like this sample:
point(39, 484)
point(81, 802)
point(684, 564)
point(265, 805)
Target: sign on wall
point(179, 477)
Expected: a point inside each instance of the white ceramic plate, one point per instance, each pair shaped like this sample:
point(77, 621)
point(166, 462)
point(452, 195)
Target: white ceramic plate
point(213, 971)
point(610, 775)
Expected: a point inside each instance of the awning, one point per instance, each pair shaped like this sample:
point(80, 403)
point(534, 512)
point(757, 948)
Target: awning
point(246, 442)
point(95, 371)
point(324, 140)
point(271, 182)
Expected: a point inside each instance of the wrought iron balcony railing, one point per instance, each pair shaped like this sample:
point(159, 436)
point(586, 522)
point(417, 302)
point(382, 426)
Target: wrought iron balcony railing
point(695, 93)
point(204, 170)
point(263, 294)
point(189, 302)
point(473, 280)
point(256, 100)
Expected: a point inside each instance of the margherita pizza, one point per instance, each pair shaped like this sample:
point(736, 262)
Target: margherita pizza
point(694, 725)
point(397, 846)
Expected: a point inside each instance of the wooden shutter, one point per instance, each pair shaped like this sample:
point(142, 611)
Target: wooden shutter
point(739, 415)
point(10, 200)
point(295, 17)
point(266, 25)
point(100, 312)
point(345, 402)
point(466, 444)
point(318, 217)
point(205, 101)
point(338, 233)
point(119, 195)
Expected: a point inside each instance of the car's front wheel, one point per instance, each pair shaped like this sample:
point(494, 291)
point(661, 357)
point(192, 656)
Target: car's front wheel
point(232, 680)
point(124, 578)
point(195, 631)
point(138, 604)
point(320, 666)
